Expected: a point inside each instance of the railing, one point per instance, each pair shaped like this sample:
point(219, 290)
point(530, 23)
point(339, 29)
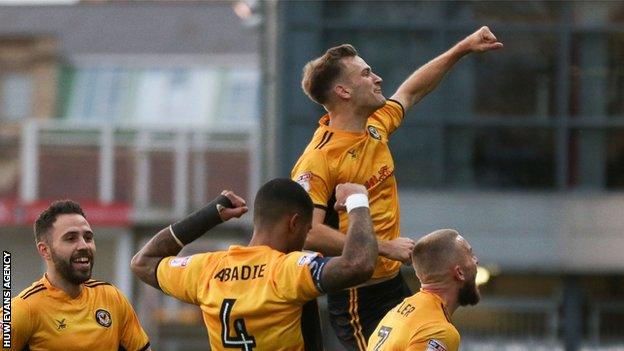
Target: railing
point(496, 322)
point(606, 322)
point(152, 153)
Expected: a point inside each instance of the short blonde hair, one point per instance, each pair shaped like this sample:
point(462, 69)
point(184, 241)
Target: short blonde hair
point(320, 73)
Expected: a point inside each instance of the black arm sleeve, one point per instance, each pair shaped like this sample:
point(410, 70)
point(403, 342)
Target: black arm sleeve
point(199, 222)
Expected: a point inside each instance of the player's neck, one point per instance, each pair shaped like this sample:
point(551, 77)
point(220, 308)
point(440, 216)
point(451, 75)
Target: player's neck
point(267, 238)
point(445, 293)
point(349, 119)
point(57, 281)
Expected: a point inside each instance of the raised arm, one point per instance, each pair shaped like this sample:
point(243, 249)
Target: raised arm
point(426, 78)
point(357, 262)
point(169, 241)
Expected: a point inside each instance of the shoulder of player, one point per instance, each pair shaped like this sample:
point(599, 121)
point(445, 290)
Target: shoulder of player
point(312, 159)
point(390, 108)
point(440, 329)
point(437, 332)
point(319, 147)
point(35, 289)
point(296, 257)
point(391, 105)
point(99, 284)
point(104, 289)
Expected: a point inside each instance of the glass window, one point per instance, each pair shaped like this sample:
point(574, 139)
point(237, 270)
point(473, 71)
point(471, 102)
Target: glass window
point(615, 75)
point(418, 156)
point(17, 95)
point(384, 12)
point(593, 12)
point(518, 80)
point(239, 95)
point(597, 158)
point(500, 157)
point(507, 11)
point(164, 95)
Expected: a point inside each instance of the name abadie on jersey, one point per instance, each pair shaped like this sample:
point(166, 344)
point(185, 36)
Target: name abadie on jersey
point(244, 272)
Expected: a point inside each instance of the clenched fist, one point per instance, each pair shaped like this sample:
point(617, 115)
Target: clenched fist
point(344, 190)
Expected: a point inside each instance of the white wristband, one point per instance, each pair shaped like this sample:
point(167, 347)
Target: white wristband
point(355, 201)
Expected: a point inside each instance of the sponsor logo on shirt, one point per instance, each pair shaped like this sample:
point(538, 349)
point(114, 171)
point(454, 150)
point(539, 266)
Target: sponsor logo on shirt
point(303, 179)
point(383, 173)
point(435, 345)
point(180, 261)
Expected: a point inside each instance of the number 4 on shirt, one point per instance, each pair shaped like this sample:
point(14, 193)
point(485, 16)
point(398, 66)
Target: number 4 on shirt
point(242, 340)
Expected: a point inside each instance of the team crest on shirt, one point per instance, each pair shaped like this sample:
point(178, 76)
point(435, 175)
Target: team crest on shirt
point(435, 345)
point(180, 261)
point(303, 179)
point(374, 132)
point(103, 318)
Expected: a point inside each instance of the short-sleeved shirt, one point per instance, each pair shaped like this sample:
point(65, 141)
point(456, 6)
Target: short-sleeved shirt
point(337, 156)
point(419, 323)
point(250, 297)
point(100, 318)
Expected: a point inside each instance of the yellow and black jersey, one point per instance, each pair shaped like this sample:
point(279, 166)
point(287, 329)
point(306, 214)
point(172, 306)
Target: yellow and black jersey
point(419, 323)
point(100, 318)
point(336, 156)
point(252, 298)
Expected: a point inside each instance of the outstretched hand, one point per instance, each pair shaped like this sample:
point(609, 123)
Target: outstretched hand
point(240, 206)
point(344, 190)
point(482, 40)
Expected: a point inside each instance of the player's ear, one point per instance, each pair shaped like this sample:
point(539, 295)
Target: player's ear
point(342, 91)
point(458, 273)
point(294, 222)
point(44, 250)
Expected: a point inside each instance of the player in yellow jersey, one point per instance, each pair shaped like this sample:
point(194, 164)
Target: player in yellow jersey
point(351, 145)
point(65, 309)
point(254, 297)
point(447, 268)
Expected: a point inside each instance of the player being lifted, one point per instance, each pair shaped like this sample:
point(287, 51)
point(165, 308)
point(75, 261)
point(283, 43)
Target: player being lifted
point(252, 297)
point(351, 145)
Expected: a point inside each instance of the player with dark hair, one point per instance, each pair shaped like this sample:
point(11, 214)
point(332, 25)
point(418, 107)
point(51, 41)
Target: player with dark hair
point(447, 269)
point(66, 309)
point(252, 297)
point(351, 145)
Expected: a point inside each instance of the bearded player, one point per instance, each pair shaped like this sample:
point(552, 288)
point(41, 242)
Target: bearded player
point(66, 309)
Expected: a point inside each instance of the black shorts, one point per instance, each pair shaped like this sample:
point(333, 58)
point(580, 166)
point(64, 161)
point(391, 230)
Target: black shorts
point(355, 313)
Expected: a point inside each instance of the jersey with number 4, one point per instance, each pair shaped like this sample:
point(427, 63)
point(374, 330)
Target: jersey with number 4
point(419, 323)
point(252, 298)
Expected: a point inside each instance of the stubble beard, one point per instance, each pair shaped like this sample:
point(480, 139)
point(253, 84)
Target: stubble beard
point(69, 273)
point(469, 294)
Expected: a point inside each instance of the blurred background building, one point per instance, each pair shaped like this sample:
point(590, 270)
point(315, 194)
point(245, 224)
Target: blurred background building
point(143, 110)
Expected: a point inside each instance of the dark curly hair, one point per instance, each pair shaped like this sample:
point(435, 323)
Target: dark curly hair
point(48, 217)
